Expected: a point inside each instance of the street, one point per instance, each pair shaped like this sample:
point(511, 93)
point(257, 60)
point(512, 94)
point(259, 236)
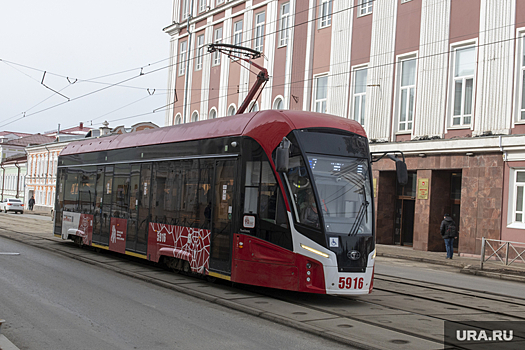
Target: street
point(54, 302)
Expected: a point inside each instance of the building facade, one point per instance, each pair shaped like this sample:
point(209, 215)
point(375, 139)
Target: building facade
point(443, 81)
point(12, 179)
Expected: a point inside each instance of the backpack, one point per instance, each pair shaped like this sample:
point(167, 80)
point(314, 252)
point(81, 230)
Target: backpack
point(451, 231)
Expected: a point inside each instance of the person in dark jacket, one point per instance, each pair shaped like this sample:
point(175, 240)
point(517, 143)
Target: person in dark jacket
point(448, 232)
point(31, 202)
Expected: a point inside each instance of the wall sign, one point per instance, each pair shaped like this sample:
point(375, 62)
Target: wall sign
point(422, 188)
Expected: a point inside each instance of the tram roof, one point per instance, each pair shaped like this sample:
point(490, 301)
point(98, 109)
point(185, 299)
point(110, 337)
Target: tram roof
point(266, 127)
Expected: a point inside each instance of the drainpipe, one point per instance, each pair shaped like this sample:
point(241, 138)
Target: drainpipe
point(501, 149)
point(3, 179)
point(17, 180)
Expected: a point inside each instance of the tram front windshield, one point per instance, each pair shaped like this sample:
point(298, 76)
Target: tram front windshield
point(343, 186)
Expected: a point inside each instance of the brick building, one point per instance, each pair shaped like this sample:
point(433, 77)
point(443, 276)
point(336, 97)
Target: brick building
point(441, 80)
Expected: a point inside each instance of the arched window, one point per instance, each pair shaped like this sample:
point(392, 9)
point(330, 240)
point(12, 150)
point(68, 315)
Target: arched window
point(195, 116)
point(254, 107)
point(213, 114)
point(278, 103)
point(232, 110)
point(178, 119)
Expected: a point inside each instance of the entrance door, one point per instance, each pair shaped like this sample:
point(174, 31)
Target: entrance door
point(405, 206)
point(222, 214)
point(105, 217)
point(455, 201)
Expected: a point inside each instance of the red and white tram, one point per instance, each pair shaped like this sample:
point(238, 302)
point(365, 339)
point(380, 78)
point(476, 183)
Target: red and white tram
point(207, 197)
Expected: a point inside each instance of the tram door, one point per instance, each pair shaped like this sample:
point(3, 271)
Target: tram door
point(105, 212)
point(221, 233)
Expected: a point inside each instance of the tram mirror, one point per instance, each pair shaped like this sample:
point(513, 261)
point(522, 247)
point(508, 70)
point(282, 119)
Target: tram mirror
point(401, 172)
point(282, 156)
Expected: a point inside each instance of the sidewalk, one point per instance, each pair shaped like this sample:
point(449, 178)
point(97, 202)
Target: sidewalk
point(5, 344)
point(468, 265)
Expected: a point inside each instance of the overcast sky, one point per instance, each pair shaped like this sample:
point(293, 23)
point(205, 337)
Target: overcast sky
point(74, 41)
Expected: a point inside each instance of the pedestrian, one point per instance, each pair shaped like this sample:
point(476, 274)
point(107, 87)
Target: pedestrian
point(449, 231)
point(31, 202)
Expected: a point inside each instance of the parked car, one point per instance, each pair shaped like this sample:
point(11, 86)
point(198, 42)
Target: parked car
point(12, 204)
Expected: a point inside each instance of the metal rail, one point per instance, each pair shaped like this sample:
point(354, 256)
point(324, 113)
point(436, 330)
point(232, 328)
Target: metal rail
point(501, 250)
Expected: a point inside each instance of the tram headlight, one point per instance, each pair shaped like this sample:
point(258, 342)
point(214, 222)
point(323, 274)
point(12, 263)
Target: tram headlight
point(308, 273)
point(308, 279)
point(308, 265)
point(315, 251)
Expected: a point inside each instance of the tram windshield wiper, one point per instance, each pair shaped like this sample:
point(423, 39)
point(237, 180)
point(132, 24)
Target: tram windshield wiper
point(359, 218)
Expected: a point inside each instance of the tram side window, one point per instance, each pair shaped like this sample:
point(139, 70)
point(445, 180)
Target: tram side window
point(86, 191)
point(189, 193)
point(61, 177)
point(71, 191)
point(120, 194)
point(161, 193)
point(251, 194)
point(204, 205)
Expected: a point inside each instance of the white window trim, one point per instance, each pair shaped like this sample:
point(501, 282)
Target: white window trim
point(213, 109)
point(511, 216)
point(283, 39)
point(178, 116)
point(397, 101)
point(278, 97)
point(405, 1)
point(229, 107)
point(203, 5)
point(237, 35)
point(261, 37)
point(220, 2)
point(366, 5)
point(249, 109)
point(354, 94)
point(451, 86)
point(325, 21)
point(182, 58)
point(195, 113)
point(314, 92)
point(217, 54)
point(200, 52)
point(185, 9)
point(520, 69)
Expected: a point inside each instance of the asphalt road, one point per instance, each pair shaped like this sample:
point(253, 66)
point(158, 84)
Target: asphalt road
point(447, 275)
point(54, 302)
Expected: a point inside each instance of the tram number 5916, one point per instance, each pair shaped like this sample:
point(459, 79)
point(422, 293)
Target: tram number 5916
point(349, 283)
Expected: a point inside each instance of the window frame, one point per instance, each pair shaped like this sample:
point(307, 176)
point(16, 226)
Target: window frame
point(217, 40)
point(185, 9)
point(237, 36)
point(315, 101)
point(182, 57)
point(277, 99)
point(325, 20)
point(364, 7)
point(203, 4)
point(520, 78)
point(409, 117)
point(513, 196)
point(193, 115)
point(258, 38)
point(284, 25)
point(178, 119)
point(464, 78)
point(214, 110)
point(200, 52)
point(360, 95)
point(230, 108)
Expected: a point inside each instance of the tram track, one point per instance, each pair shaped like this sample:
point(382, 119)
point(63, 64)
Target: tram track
point(389, 309)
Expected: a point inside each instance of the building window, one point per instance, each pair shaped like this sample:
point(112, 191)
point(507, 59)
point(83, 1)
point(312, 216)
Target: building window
point(232, 110)
point(237, 35)
point(203, 4)
point(178, 119)
point(407, 94)
point(220, 2)
point(195, 116)
point(182, 57)
point(284, 24)
point(253, 107)
point(321, 91)
point(365, 7)
point(213, 114)
point(185, 9)
point(217, 40)
point(278, 103)
point(200, 52)
point(325, 13)
point(360, 94)
point(259, 31)
point(522, 77)
point(464, 67)
point(519, 202)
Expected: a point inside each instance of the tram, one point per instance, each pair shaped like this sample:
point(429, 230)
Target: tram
point(279, 199)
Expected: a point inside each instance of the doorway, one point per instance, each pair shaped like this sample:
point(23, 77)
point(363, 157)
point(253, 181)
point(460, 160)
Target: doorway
point(405, 206)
